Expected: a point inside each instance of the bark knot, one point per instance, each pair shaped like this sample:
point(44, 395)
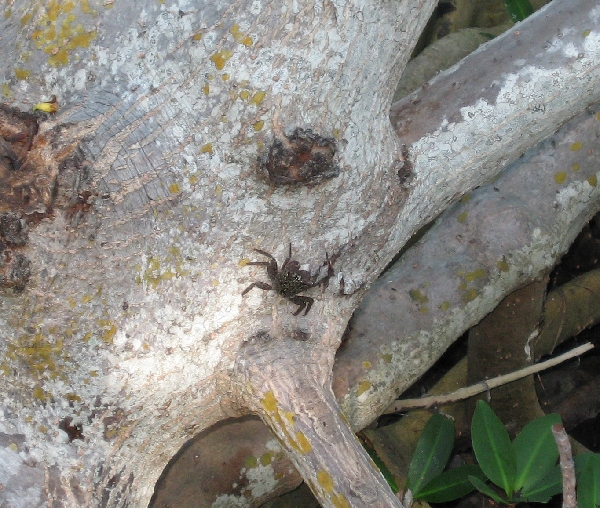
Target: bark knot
point(302, 158)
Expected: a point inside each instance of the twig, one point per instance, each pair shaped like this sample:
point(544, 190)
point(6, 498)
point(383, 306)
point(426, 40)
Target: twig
point(567, 465)
point(483, 386)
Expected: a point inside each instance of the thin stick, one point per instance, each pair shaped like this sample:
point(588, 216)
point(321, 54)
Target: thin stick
point(483, 386)
point(567, 466)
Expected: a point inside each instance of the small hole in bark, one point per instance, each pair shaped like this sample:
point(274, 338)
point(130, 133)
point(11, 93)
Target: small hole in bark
point(73, 431)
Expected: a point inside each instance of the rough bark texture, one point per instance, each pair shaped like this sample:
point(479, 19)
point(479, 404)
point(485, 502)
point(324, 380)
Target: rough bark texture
point(292, 386)
point(143, 197)
point(497, 238)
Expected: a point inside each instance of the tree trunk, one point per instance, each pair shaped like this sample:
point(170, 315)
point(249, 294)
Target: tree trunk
point(185, 137)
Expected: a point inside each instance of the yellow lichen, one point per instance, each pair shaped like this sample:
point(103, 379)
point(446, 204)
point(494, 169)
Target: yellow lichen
point(366, 365)
point(462, 217)
point(266, 458)
point(269, 402)
point(22, 73)
point(290, 416)
point(325, 481)
point(6, 91)
point(39, 394)
point(43, 357)
point(26, 18)
point(470, 295)
point(560, 177)
point(220, 58)
point(240, 37)
point(417, 296)
point(86, 9)
point(445, 305)
point(302, 444)
point(363, 387)
point(575, 167)
point(578, 145)
point(387, 357)
point(168, 275)
point(257, 98)
point(109, 330)
point(339, 501)
point(258, 125)
point(57, 34)
point(593, 180)
point(207, 148)
point(503, 265)
point(250, 462)
point(474, 275)
point(174, 188)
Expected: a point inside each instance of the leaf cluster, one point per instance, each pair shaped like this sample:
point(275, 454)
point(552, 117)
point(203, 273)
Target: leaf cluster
point(509, 472)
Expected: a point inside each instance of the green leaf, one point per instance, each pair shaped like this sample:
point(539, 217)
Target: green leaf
point(536, 452)
point(518, 9)
point(588, 480)
point(486, 490)
point(432, 453)
point(545, 489)
point(450, 485)
point(582, 459)
point(383, 469)
point(493, 449)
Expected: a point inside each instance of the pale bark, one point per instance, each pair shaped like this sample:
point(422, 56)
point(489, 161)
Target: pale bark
point(501, 236)
point(132, 321)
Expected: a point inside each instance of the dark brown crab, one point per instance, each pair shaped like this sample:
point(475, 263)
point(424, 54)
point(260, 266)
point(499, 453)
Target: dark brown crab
point(289, 280)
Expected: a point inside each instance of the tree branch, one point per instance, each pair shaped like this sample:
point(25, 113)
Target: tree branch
point(484, 386)
point(567, 466)
point(496, 239)
point(289, 387)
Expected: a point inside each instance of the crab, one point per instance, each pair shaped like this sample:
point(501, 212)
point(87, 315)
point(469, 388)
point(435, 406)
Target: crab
point(289, 280)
